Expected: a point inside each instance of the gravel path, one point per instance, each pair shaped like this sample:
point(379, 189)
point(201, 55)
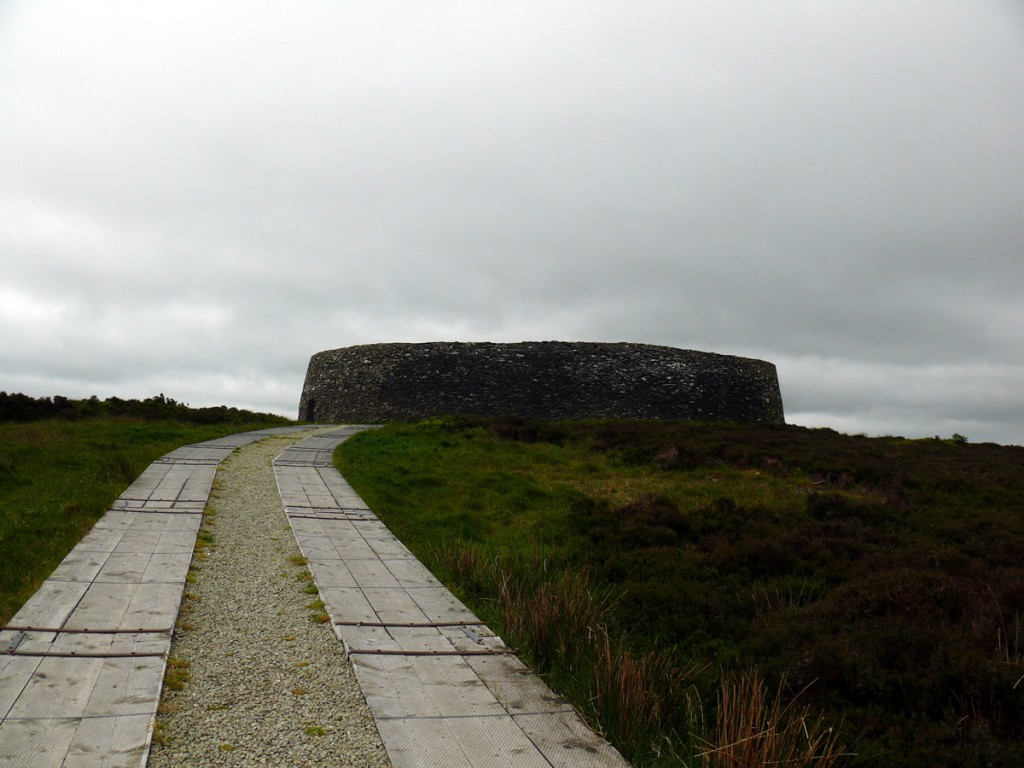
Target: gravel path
point(268, 686)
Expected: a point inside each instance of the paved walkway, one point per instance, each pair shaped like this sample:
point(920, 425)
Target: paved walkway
point(81, 664)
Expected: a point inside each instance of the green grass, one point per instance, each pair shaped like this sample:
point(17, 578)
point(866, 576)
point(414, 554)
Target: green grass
point(870, 585)
point(57, 477)
point(176, 674)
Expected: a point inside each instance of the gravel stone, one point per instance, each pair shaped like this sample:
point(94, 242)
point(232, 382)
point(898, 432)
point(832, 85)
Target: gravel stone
point(269, 686)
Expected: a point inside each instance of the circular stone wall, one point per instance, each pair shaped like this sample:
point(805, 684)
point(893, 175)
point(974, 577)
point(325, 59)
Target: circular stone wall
point(545, 380)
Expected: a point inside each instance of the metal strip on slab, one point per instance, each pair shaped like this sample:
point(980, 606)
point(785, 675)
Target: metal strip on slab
point(409, 624)
point(86, 630)
point(84, 655)
point(392, 652)
point(444, 690)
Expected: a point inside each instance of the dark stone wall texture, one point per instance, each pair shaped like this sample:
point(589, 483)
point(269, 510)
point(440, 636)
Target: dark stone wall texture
point(376, 383)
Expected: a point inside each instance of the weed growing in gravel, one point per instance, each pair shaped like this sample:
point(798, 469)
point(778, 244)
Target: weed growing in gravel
point(165, 709)
point(185, 611)
point(315, 730)
point(319, 615)
point(311, 589)
point(205, 540)
point(298, 560)
point(168, 707)
point(177, 673)
point(159, 732)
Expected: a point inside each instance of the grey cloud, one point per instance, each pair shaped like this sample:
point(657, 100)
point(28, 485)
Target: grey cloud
point(205, 194)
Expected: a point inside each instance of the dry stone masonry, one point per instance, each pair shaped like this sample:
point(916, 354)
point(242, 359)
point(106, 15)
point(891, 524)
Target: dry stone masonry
point(376, 383)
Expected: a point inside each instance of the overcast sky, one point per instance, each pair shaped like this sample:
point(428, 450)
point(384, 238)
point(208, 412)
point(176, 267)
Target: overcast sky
point(197, 196)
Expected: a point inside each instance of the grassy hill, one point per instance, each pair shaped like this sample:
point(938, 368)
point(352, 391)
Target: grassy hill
point(700, 589)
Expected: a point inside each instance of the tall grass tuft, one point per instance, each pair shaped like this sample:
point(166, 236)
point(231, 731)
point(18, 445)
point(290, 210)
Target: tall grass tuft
point(557, 620)
point(754, 730)
point(119, 467)
point(642, 699)
point(646, 703)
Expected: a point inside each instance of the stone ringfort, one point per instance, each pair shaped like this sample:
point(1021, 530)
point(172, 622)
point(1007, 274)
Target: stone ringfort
point(376, 383)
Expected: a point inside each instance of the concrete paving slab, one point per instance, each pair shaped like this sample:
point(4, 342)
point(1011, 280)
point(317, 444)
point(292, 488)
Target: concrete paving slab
point(410, 573)
point(80, 566)
point(51, 605)
point(15, 672)
point(331, 573)
point(566, 741)
point(40, 743)
point(109, 742)
point(471, 742)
